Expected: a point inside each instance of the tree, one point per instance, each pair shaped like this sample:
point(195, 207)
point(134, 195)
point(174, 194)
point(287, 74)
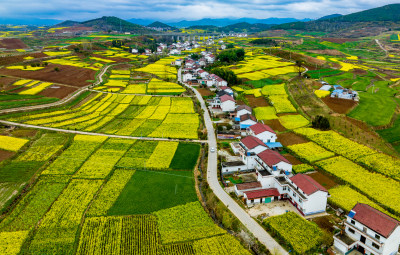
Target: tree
point(56, 69)
point(321, 122)
point(299, 66)
point(226, 74)
point(195, 56)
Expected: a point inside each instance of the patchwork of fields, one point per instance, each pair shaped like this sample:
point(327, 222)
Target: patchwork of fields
point(128, 115)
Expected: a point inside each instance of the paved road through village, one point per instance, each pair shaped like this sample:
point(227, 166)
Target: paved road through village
point(212, 179)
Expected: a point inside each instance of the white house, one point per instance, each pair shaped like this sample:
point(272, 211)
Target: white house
point(264, 132)
point(242, 110)
point(227, 90)
point(307, 195)
point(369, 231)
point(247, 186)
point(233, 167)
point(135, 51)
point(174, 52)
point(187, 76)
point(273, 162)
point(147, 51)
point(189, 63)
point(250, 146)
point(228, 104)
point(177, 62)
point(203, 74)
point(247, 120)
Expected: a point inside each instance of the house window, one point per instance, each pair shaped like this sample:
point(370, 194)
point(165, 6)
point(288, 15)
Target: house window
point(352, 230)
point(353, 222)
point(294, 194)
point(284, 188)
point(300, 200)
point(252, 201)
point(364, 229)
point(377, 236)
point(375, 246)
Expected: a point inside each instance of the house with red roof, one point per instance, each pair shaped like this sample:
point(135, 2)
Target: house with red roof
point(228, 103)
point(264, 132)
point(246, 121)
point(368, 231)
point(249, 147)
point(273, 162)
point(307, 195)
point(242, 110)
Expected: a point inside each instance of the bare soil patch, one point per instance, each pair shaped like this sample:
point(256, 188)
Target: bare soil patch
point(275, 125)
point(12, 44)
point(290, 138)
point(6, 82)
point(57, 91)
point(359, 71)
point(323, 179)
point(327, 52)
point(69, 75)
point(324, 222)
point(24, 133)
point(8, 60)
point(205, 92)
point(256, 101)
point(339, 105)
point(292, 159)
point(339, 40)
point(6, 154)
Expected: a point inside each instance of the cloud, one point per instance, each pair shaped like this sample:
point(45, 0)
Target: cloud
point(182, 9)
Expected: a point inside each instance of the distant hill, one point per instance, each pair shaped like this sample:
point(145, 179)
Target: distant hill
point(142, 22)
point(159, 24)
point(372, 17)
point(67, 23)
point(107, 23)
point(227, 22)
point(330, 16)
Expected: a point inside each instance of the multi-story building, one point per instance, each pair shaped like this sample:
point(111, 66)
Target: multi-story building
point(369, 231)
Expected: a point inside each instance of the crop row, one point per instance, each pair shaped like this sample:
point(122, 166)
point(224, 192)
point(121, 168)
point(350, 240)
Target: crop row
point(310, 151)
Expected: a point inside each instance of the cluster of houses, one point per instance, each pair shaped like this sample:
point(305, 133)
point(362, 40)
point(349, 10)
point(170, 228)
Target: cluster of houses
point(339, 92)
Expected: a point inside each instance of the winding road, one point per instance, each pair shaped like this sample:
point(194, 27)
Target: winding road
point(212, 178)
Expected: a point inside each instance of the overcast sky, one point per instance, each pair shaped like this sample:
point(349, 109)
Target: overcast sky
point(181, 9)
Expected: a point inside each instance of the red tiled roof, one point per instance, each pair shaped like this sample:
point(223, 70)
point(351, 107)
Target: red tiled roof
point(248, 185)
point(260, 128)
point(307, 184)
point(227, 98)
point(262, 193)
point(243, 106)
point(374, 219)
point(251, 142)
point(271, 157)
point(224, 87)
point(248, 116)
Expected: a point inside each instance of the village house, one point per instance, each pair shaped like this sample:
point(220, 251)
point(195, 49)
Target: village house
point(247, 120)
point(242, 110)
point(203, 74)
point(248, 149)
point(135, 51)
point(368, 231)
point(227, 90)
point(147, 51)
point(344, 93)
point(228, 103)
point(264, 132)
point(273, 162)
point(187, 76)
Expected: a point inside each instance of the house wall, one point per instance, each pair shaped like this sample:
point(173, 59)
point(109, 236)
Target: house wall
point(339, 245)
point(228, 106)
point(247, 123)
point(369, 249)
point(392, 243)
point(267, 137)
point(242, 112)
point(316, 203)
point(233, 169)
point(284, 166)
point(258, 149)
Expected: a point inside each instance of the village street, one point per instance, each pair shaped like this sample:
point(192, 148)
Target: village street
point(212, 178)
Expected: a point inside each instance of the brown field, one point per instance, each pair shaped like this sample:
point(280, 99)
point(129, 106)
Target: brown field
point(57, 91)
point(6, 154)
point(275, 125)
point(256, 101)
point(205, 92)
point(292, 159)
point(339, 40)
point(290, 138)
point(323, 179)
point(327, 52)
point(69, 75)
point(325, 222)
point(24, 133)
point(6, 81)
point(12, 44)
point(19, 58)
point(338, 105)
